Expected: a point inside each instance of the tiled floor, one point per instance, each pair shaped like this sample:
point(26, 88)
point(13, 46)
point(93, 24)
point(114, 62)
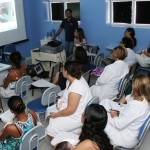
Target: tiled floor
point(45, 143)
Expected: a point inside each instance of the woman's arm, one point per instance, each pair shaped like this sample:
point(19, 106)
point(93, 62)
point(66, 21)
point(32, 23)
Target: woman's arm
point(8, 79)
point(34, 116)
point(73, 102)
point(6, 132)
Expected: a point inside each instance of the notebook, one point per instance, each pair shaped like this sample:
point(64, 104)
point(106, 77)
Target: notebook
point(40, 72)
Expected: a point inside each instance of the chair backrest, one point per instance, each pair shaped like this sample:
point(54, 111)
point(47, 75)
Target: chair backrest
point(23, 85)
point(54, 69)
point(143, 130)
point(122, 86)
point(31, 139)
point(28, 61)
point(49, 95)
point(87, 76)
point(10, 48)
point(98, 59)
point(92, 49)
point(94, 100)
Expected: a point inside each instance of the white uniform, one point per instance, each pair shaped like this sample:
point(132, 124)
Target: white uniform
point(143, 60)
point(123, 130)
point(72, 122)
point(107, 84)
point(130, 59)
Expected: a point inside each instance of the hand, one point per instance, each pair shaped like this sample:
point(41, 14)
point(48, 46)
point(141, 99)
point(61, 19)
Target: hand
point(114, 113)
point(53, 115)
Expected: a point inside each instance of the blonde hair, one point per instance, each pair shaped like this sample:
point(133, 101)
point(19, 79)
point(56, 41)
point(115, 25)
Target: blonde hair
point(141, 88)
point(119, 53)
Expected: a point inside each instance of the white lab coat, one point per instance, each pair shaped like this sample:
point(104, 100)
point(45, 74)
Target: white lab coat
point(130, 59)
point(143, 60)
point(123, 130)
point(107, 84)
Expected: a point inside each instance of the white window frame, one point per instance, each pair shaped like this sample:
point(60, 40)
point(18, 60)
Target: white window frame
point(65, 7)
point(109, 14)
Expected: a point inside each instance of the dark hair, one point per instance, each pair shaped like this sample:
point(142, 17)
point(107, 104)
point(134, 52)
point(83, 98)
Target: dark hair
point(62, 146)
point(16, 104)
point(81, 34)
point(80, 55)
point(68, 9)
point(119, 53)
point(132, 33)
point(94, 125)
point(73, 68)
point(127, 42)
point(15, 58)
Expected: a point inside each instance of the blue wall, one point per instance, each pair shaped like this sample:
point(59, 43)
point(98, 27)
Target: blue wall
point(93, 23)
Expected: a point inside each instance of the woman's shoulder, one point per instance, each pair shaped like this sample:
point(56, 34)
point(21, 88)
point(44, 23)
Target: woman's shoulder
point(87, 145)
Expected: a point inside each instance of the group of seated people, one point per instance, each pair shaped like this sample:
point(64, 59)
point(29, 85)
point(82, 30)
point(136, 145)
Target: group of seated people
point(98, 126)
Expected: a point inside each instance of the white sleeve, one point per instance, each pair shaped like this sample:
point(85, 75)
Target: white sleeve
point(105, 77)
point(123, 120)
point(77, 88)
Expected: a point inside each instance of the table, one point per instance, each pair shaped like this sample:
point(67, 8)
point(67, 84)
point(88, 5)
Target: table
point(4, 69)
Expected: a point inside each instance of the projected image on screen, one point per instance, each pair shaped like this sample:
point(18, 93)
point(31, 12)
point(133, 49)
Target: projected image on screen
point(7, 15)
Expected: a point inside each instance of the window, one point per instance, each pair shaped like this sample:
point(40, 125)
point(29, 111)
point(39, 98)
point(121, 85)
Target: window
point(58, 7)
point(128, 12)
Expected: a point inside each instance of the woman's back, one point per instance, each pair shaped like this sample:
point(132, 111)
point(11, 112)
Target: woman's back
point(13, 142)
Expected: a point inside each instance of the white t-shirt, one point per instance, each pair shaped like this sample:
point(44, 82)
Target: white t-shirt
point(130, 59)
point(80, 87)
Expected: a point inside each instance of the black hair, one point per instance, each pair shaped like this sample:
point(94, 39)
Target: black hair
point(94, 125)
point(128, 42)
point(16, 104)
point(68, 9)
point(132, 33)
point(80, 55)
point(62, 146)
point(73, 68)
point(15, 58)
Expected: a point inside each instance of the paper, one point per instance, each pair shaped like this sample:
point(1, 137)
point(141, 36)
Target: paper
point(7, 116)
point(43, 83)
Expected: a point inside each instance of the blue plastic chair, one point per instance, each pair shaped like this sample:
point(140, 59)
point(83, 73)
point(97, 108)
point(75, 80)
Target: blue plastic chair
point(40, 105)
point(94, 100)
point(122, 87)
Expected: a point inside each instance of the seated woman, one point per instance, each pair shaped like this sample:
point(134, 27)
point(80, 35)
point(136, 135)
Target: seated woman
point(22, 123)
point(111, 76)
point(67, 115)
point(128, 44)
point(79, 56)
point(124, 124)
point(130, 33)
point(18, 70)
point(92, 137)
point(79, 38)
